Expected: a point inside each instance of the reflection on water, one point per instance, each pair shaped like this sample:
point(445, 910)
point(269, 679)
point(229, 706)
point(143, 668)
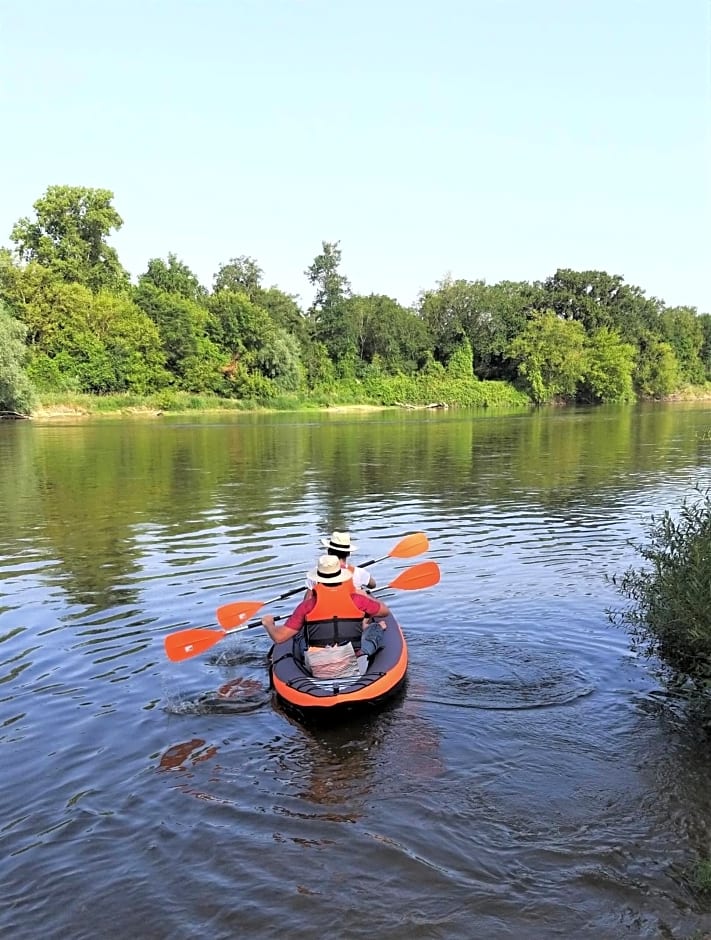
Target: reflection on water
point(192, 752)
point(533, 781)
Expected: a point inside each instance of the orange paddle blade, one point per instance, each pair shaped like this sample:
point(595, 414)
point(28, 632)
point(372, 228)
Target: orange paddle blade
point(419, 576)
point(415, 544)
point(234, 615)
point(187, 643)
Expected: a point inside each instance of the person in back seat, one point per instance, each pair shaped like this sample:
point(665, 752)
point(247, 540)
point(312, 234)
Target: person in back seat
point(340, 545)
point(336, 612)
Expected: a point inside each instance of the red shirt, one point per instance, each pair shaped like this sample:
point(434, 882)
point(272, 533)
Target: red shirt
point(368, 605)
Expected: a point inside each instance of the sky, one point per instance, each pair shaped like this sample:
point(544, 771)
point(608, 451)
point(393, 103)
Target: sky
point(477, 139)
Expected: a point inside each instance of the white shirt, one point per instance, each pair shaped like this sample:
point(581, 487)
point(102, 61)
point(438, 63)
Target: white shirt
point(361, 578)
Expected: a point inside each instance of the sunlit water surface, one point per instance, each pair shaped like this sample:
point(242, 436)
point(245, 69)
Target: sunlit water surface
point(533, 781)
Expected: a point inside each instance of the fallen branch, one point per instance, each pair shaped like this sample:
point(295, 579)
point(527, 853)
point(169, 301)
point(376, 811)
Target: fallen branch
point(434, 404)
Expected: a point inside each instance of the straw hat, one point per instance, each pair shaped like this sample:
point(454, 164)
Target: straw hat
point(339, 542)
point(329, 571)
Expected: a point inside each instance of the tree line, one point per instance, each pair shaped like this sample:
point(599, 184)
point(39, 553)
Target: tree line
point(71, 321)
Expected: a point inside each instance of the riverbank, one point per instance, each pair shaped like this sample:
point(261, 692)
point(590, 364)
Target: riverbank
point(348, 395)
point(72, 406)
point(88, 406)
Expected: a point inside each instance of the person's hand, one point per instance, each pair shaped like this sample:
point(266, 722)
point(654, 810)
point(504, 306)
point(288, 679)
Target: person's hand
point(267, 620)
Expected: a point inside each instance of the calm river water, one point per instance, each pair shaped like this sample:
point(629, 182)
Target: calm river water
point(530, 783)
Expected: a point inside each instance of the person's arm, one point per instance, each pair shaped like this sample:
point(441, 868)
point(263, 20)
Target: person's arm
point(278, 634)
point(364, 579)
point(370, 605)
point(294, 623)
point(383, 610)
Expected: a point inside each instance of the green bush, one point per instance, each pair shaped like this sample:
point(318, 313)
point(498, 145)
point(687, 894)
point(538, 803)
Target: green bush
point(669, 615)
point(700, 878)
point(166, 400)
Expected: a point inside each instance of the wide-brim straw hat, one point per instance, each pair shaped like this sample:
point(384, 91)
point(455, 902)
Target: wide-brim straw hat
point(339, 542)
point(329, 571)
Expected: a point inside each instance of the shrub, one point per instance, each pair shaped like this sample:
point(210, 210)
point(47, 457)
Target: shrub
point(669, 615)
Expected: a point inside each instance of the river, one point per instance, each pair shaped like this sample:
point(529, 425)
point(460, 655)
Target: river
point(532, 781)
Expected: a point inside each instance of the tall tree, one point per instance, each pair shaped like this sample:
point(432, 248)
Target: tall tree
point(85, 341)
point(384, 329)
point(490, 316)
point(69, 236)
point(239, 274)
point(596, 299)
point(609, 368)
point(283, 309)
point(684, 331)
point(173, 277)
point(181, 324)
point(550, 353)
point(237, 325)
point(326, 311)
point(444, 311)
point(657, 372)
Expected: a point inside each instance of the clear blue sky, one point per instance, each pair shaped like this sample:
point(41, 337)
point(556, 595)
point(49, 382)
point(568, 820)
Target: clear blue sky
point(494, 139)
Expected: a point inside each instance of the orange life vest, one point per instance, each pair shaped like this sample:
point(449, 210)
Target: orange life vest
point(334, 618)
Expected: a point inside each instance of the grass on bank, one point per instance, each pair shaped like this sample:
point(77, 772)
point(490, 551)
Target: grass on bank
point(396, 391)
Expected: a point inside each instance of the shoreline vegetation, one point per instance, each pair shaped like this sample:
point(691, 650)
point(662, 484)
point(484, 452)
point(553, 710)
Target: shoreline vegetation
point(95, 406)
point(77, 335)
point(67, 405)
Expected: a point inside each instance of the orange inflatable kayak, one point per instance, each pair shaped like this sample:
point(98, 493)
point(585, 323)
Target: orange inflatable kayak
point(309, 697)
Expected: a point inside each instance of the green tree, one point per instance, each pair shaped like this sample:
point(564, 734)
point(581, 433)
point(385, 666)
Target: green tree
point(490, 316)
point(657, 370)
point(205, 370)
point(705, 352)
point(279, 359)
point(461, 362)
point(283, 310)
point(240, 275)
point(173, 277)
point(131, 342)
point(236, 324)
point(550, 354)
point(380, 327)
point(181, 324)
point(16, 391)
point(684, 332)
point(609, 367)
point(318, 365)
point(90, 342)
point(597, 299)
point(326, 311)
point(69, 236)
point(444, 312)
point(52, 309)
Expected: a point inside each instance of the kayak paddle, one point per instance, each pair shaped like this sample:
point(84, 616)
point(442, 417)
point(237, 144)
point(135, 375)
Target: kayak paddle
point(232, 615)
point(187, 643)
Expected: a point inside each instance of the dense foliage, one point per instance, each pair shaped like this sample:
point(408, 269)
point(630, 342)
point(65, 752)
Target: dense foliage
point(669, 615)
point(16, 392)
point(577, 336)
